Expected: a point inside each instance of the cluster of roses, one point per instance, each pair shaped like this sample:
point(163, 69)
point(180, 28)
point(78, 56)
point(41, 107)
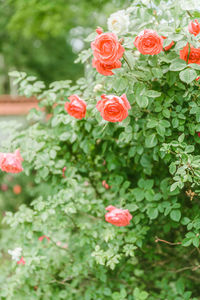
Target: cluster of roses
point(108, 51)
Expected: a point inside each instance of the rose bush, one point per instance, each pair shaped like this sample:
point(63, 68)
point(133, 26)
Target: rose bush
point(136, 155)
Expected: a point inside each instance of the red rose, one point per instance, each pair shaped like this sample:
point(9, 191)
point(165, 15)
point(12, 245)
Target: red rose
point(194, 56)
point(149, 42)
point(113, 108)
point(105, 69)
point(169, 46)
point(76, 108)
point(198, 134)
point(11, 162)
point(106, 48)
point(194, 27)
point(197, 79)
point(117, 217)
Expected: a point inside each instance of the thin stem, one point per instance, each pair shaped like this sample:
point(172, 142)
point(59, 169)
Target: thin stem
point(169, 243)
point(127, 62)
point(189, 14)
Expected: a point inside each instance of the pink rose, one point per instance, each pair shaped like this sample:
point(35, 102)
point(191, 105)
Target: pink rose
point(149, 42)
point(117, 216)
point(76, 108)
point(113, 108)
point(169, 46)
point(11, 162)
point(105, 69)
point(106, 48)
point(192, 55)
point(194, 27)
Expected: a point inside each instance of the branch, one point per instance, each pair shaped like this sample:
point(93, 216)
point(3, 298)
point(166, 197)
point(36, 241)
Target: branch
point(169, 243)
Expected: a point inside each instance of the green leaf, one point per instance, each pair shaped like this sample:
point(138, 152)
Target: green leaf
point(142, 101)
point(181, 138)
point(188, 75)
point(151, 141)
point(175, 215)
point(172, 168)
point(152, 213)
point(152, 94)
point(196, 241)
point(178, 65)
point(187, 242)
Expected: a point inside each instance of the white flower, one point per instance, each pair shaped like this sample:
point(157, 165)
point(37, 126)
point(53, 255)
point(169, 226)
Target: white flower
point(98, 87)
point(118, 22)
point(16, 253)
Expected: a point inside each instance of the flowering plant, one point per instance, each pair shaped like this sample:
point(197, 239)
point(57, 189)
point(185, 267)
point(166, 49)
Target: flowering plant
point(128, 141)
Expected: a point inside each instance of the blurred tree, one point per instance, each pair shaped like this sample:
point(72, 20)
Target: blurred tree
point(36, 36)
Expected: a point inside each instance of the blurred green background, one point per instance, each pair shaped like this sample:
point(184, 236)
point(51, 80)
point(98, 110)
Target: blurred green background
point(43, 37)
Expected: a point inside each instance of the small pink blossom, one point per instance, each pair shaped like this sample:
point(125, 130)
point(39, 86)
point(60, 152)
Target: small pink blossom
point(4, 187)
point(99, 30)
point(11, 162)
point(63, 172)
point(65, 246)
point(194, 27)
point(104, 184)
point(43, 237)
point(21, 261)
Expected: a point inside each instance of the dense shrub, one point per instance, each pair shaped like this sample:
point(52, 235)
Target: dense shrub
point(148, 163)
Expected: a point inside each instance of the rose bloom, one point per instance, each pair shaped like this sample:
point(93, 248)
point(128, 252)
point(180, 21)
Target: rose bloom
point(194, 27)
point(169, 46)
point(194, 56)
point(198, 134)
point(17, 189)
point(76, 107)
point(148, 42)
point(118, 22)
point(113, 108)
point(105, 69)
point(197, 79)
point(117, 216)
point(107, 49)
point(11, 162)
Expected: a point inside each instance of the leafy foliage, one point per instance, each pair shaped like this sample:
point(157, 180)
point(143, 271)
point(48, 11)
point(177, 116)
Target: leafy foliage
point(150, 160)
